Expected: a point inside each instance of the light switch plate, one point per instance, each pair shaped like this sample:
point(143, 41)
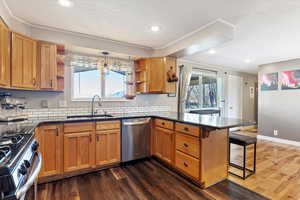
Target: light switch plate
point(62, 103)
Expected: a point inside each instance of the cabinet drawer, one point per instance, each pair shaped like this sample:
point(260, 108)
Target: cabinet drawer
point(188, 129)
point(187, 164)
point(107, 125)
point(164, 123)
point(188, 144)
point(78, 127)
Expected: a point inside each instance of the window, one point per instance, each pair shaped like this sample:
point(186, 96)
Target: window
point(88, 82)
point(202, 91)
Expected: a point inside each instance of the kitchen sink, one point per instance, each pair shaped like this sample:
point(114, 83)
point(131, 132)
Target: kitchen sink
point(89, 116)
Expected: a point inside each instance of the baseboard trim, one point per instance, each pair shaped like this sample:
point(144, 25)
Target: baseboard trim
point(279, 140)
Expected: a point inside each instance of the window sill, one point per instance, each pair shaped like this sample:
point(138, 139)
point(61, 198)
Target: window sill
point(102, 100)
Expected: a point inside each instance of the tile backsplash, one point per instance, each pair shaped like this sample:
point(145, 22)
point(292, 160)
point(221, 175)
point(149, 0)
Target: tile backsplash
point(61, 112)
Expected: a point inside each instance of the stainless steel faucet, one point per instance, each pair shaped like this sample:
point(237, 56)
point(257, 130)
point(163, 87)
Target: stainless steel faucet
point(93, 101)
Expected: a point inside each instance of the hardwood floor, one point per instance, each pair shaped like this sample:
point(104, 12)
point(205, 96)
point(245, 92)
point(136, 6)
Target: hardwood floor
point(141, 180)
point(277, 170)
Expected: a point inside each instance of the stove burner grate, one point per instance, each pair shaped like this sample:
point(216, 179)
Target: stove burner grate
point(4, 152)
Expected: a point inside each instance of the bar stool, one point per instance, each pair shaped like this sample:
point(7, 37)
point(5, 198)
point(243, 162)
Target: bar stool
point(243, 141)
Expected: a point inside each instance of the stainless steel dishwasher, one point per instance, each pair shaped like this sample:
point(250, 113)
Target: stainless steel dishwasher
point(135, 139)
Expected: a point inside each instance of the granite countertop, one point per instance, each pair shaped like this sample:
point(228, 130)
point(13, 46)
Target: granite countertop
point(209, 121)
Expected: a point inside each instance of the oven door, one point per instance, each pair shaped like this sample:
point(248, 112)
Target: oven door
point(32, 177)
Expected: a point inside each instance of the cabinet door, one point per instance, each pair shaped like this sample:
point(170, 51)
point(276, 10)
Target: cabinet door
point(23, 68)
point(107, 147)
point(164, 144)
point(4, 56)
point(78, 150)
point(29, 63)
point(17, 61)
point(50, 139)
point(156, 75)
point(48, 66)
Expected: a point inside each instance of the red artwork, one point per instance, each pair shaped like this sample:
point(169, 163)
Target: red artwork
point(290, 80)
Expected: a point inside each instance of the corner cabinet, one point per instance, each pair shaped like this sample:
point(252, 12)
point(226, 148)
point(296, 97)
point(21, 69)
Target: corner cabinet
point(5, 37)
point(50, 138)
point(23, 66)
point(47, 63)
point(151, 75)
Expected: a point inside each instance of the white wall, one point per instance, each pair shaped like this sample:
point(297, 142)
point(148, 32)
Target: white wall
point(279, 109)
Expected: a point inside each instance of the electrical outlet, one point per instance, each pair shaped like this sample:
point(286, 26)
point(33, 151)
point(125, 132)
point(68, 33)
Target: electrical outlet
point(275, 132)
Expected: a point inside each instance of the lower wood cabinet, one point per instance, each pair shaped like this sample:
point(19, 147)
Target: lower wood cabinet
point(50, 139)
point(108, 147)
point(187, 164)
point(78, 151)
point(164, 144)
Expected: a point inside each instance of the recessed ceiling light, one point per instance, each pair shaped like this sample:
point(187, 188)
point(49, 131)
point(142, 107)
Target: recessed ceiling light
point(247, 60)
point(155, 28)
point(66, 3)
point(212, 51)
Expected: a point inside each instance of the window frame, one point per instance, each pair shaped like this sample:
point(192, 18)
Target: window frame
point(102, 80)
point(201, 72)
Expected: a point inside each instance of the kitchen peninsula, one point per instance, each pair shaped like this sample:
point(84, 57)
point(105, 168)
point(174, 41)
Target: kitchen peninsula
point(195, 146)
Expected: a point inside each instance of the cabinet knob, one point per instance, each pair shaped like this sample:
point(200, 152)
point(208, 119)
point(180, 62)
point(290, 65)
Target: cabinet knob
point(186, 128)
point(185, 164)
point(186, 145)
point(163, 123)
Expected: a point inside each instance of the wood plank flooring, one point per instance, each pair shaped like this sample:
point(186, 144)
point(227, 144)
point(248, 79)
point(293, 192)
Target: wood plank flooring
point(277, 170)
point(141, 180)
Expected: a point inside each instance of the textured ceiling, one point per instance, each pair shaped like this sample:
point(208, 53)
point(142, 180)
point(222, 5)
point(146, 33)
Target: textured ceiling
point(267, 31)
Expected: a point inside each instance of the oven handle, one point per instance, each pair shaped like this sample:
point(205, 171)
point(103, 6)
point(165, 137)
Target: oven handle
point(32, 177)
point(139, 122)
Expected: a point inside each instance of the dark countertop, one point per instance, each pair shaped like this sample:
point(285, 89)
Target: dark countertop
point(215, 122)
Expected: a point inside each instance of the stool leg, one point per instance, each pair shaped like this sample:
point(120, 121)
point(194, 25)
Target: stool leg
point(254, 162)
point(244, 163)
point(229, 151)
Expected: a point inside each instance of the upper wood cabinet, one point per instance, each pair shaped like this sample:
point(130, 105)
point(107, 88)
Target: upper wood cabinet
point(47, 66)
point(24, 68)
point(5, 38)
point(151, 75)
point(50, 138)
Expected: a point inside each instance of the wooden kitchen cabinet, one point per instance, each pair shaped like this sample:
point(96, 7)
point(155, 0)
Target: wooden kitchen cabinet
point(23, 67)
point(50, 138)
point(164, 144)
point(5, 37)
point(47, 66)
point(108, 142)
point(151, 75)
point(78, 151)
point(108, 147)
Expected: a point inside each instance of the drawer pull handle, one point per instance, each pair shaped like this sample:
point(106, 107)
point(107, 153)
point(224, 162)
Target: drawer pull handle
point(186, 128)
point(185, 145)
point(186, 165)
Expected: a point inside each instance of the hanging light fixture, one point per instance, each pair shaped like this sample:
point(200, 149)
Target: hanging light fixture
point(104, 63)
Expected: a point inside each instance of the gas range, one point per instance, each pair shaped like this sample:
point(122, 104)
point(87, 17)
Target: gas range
point(19, 159)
